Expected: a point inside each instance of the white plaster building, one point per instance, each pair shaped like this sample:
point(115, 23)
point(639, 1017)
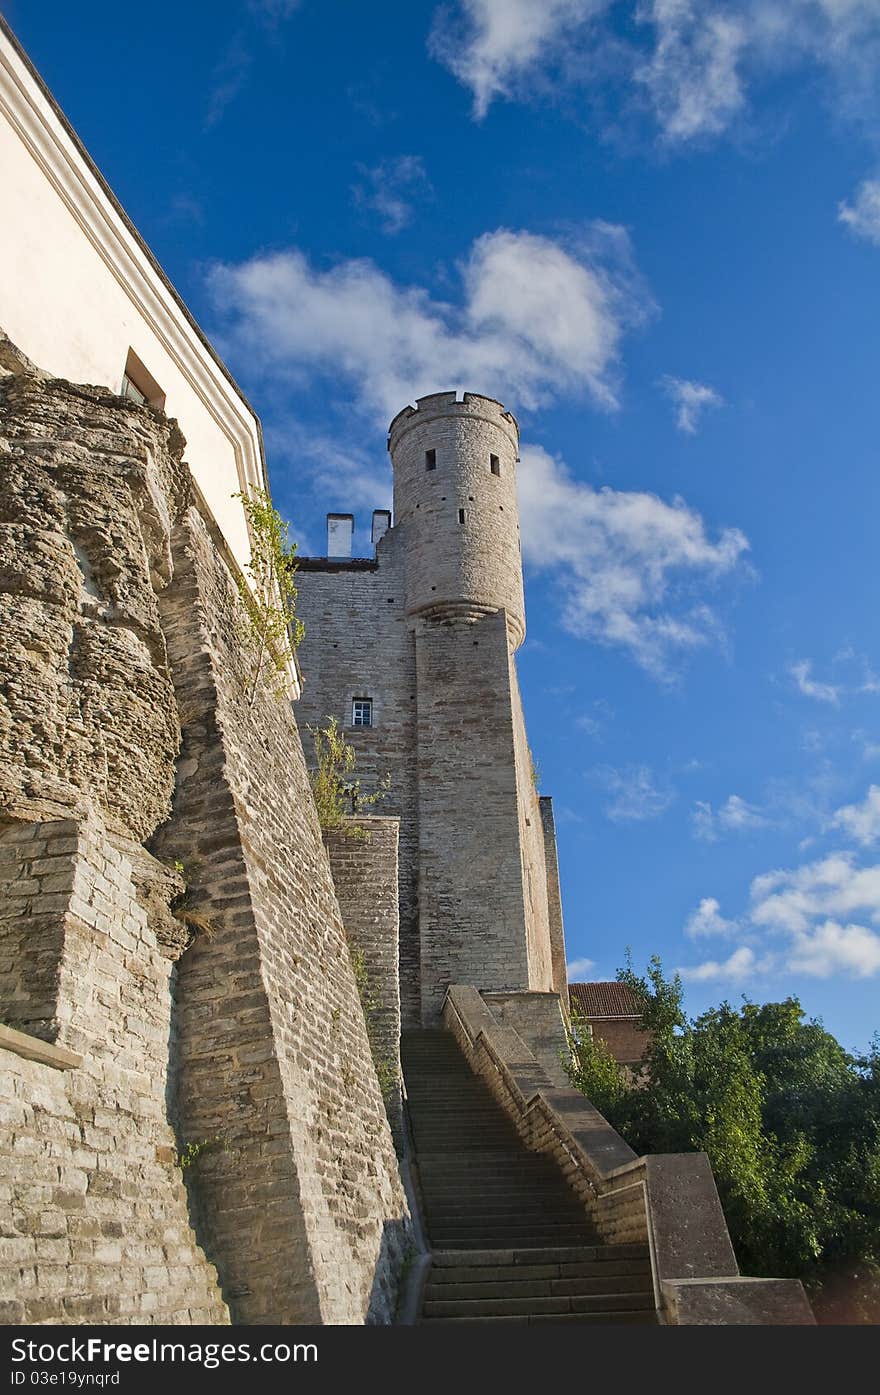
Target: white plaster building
point(82, 295)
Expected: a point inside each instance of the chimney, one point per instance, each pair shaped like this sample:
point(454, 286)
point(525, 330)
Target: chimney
point(340, 527)
point(381, 524)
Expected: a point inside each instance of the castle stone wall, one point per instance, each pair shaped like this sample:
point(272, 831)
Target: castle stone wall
point(559, 976)
point(471, 563)
point(473, 925)
point(303, 1208)
point(533, 872)
point(365, 879)
point(358, 643)
point(88, 483)
point(96, 1224)
point(252, 1052)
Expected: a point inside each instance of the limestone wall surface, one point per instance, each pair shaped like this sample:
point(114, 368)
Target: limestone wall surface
point(364, 870)
point(472, 916)
point(459, 519)
point(121, 630)
point(533, 871)
point(358, 644)
point(559, 967)
point(94, 1214)
point(303, 1208)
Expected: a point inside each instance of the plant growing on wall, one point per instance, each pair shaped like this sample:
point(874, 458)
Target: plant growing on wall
point(386, 1071)
point(336, 789)
point(269, 602)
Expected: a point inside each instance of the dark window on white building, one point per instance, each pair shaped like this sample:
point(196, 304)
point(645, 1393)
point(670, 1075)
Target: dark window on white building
point(139, 385)
point(494, 464)
point(430, 460)
point(362, 712)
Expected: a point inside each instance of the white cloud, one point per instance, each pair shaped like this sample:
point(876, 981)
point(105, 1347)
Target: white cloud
point(861, 821)
point(832, 948)
point(805, 917)
point(634, 794)
point(690, 399)
point(538, 320)
point(862, 216)
point(741, 964)
point(707, 920)
point(832, 887)
point(577, 968)
point(693, 64)
point(390, 188)
point(821, 692)
point(736, 815)
point(626, 561)
point(693, 75)
point(870, 747)
point(497, 47)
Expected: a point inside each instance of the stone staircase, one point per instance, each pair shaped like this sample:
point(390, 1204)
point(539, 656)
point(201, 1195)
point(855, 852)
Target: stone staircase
point(510, 1241)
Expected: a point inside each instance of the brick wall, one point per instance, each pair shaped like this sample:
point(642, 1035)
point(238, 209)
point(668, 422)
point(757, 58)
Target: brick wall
point(625, 1039)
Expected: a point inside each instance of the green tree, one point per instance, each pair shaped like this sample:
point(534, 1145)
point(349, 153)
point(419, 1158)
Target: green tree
point(336, 789)
point(790, 1122)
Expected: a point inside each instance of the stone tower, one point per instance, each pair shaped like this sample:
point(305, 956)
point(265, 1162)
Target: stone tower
point(426, 634)
point(455, 497)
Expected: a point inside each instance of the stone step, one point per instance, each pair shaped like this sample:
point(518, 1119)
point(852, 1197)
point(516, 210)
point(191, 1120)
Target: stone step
point(518, 1307)
point(506, 1222)
point(546, 1254)
point(502, 1160)
point(604, 1318)
point(540, 1288)
point(530, 1204)
point(607, 1272)
point(486, 1239)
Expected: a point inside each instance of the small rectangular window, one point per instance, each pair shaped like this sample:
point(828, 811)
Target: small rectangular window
point(139, 385)
point(494, 464)
point(430, 460)
point(362, 712)
point(461, 515)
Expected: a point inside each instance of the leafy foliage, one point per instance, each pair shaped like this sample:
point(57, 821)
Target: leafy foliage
point(386, 1071)
point(337, 791)
point(269, 602)
point(192, 1151)
point(790, 1121)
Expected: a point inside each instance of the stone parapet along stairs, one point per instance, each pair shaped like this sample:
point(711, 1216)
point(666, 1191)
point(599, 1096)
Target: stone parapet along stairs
point(510, 1241)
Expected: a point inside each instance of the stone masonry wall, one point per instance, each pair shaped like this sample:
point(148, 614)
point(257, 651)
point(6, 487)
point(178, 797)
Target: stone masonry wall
point(88, 485)
point(358, 643)
point(303, 1208)
point(257, 1034)
point(365, 878)
point(471, 901)
point(533, 871)
point(95, 1215)
point(559, 969)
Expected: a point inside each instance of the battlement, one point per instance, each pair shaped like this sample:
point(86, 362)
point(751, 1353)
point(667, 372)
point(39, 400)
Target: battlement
point(467, 404)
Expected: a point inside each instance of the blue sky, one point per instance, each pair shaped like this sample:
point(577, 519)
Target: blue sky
point(654, 232)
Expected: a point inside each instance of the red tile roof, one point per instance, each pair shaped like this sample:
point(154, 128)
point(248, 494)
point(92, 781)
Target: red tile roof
point(604, 999)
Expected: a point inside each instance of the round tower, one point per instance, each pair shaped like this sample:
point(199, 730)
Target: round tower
point(455, 503)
